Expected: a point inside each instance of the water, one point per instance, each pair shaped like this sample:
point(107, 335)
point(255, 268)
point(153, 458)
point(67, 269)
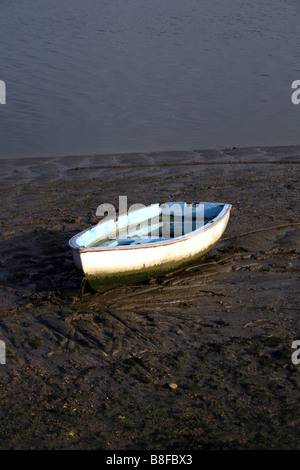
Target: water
point(104, 76)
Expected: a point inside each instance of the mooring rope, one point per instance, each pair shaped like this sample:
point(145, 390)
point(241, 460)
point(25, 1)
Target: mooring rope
point(260, 230)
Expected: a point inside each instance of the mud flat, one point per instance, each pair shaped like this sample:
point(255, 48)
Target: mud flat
point(200, 359)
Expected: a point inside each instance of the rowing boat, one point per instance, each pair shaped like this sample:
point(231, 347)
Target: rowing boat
point(148, 242)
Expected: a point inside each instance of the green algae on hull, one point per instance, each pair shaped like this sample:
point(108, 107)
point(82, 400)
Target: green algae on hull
point(102, 283)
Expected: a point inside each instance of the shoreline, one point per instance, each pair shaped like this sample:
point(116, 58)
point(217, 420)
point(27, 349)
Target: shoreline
point(94, 371)
point(233, 155)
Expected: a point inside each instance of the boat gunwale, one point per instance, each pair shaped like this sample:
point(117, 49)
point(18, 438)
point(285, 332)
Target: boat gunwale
point(81, 249)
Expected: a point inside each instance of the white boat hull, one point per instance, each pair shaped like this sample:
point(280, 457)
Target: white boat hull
point(109, 267)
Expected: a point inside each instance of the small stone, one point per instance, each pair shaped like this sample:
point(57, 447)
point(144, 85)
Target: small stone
point(173, 386)
point(71, 344)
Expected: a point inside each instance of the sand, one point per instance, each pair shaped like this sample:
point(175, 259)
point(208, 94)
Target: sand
point(200, 359)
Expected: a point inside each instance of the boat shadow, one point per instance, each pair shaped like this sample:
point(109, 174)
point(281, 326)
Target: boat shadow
point(41, 261)
point(38, 261)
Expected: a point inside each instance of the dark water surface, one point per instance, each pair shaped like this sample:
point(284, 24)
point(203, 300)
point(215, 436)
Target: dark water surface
point(103, 76)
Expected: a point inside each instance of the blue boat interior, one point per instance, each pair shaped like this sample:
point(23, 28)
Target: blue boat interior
point(152, 224)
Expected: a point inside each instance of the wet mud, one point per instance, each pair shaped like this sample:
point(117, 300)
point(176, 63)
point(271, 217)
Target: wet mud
point(198, 359)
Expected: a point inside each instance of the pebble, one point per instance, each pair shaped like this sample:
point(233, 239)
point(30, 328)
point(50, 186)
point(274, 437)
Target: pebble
point(173, 386)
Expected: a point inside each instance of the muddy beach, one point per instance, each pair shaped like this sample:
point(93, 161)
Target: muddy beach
point(199, 359)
